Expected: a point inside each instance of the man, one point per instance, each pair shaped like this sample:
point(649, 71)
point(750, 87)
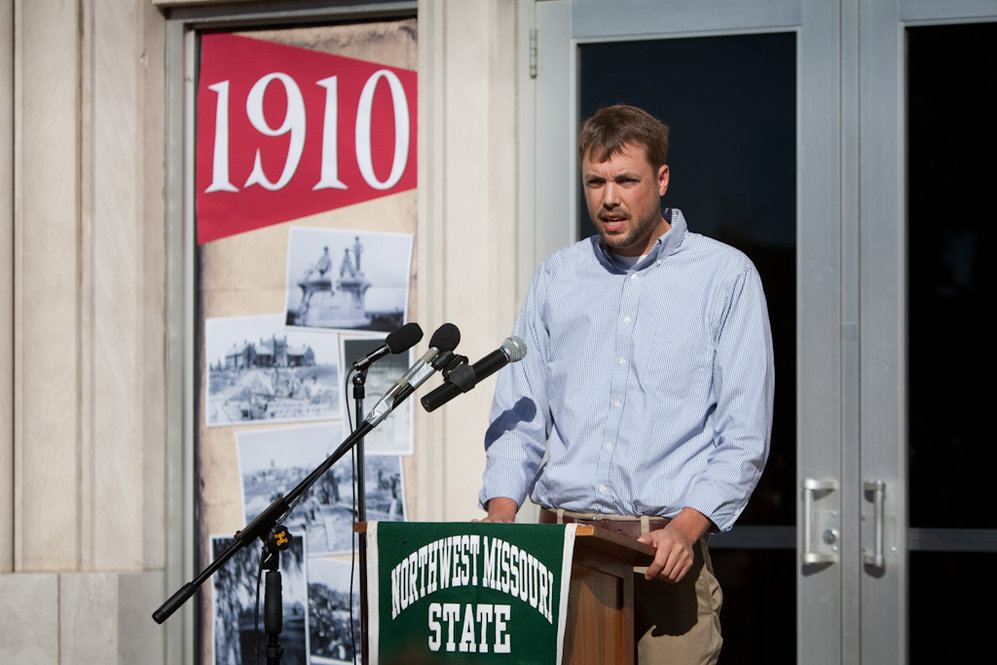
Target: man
point(648, 386)
point(357, 252)
point(324, 262)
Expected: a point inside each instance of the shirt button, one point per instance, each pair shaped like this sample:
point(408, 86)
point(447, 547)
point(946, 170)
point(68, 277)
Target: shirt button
point(609, 446)
point(626, 319)
point(633, 276)
point(622, 361)
point(616, 404)
point(602, 488)
point(658, 262)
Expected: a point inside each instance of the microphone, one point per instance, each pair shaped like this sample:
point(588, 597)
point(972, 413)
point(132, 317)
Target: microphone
point(400, 340)
point(444, 340)
point(512, 350)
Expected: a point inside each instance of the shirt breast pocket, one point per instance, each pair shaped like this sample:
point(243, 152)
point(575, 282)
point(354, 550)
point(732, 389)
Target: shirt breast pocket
point(679, 367)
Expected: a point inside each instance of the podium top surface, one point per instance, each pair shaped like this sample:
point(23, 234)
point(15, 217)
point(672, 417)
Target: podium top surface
point(614, 544)
point(595, 539)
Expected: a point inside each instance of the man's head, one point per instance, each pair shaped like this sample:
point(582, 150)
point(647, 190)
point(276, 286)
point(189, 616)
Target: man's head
point(605, 133)
point(624, 175)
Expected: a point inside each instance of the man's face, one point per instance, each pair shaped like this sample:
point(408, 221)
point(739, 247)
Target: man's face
point(623, 195)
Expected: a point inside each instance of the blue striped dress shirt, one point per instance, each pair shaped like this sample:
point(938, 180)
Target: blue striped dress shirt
point(644, 389)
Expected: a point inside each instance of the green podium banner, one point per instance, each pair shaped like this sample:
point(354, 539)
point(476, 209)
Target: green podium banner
point(469, 593)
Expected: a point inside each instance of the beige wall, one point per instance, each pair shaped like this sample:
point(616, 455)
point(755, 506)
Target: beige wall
point(90, 447)
point(6, 285)
point(467, 226)
point(82, 500)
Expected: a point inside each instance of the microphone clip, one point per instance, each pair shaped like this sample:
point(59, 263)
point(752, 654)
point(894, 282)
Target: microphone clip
point(457, 371)
point(448, 361)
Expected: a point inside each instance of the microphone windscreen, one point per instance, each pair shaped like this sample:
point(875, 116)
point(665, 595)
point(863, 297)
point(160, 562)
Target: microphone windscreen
point(404, 338)
point(446, 337)
point(514, 348)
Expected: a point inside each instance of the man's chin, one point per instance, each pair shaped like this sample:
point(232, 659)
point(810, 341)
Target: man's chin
point(614, 240)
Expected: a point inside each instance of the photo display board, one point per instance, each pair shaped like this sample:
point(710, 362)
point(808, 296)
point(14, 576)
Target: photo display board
point(305, 204)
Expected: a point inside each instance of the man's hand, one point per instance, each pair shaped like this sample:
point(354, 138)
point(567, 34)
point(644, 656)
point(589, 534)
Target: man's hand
point(501, 509)
point(674, 556)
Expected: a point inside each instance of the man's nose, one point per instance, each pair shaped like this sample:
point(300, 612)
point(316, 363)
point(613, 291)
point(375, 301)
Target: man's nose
point(611, 195)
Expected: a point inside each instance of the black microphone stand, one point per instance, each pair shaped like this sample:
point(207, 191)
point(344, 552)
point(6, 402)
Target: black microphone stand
point(267, 523)
point(445, 361)
point(261, 527)
point(273, 607)
point(360, 494)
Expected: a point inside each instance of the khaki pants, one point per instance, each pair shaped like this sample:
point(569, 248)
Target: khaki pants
point(679, 624)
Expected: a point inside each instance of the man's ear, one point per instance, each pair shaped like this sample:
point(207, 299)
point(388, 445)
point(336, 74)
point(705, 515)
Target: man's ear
point(662, 179)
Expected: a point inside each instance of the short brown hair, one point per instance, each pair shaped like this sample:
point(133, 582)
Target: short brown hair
point(610, 129)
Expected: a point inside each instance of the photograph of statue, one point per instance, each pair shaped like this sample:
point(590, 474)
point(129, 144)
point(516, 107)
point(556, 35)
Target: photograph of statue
point(347, 280)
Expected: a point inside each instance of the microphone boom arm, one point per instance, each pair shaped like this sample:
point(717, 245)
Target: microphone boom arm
point(261, 525)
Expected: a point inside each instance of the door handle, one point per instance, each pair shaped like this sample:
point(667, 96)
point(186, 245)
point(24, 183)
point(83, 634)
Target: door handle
point(877, 488)
point(825, 521)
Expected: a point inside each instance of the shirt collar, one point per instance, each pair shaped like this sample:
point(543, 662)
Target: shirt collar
point(667, 244)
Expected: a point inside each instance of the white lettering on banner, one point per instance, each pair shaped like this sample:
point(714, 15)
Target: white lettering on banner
point(503, 643)
point(529, 577)
point(513, 570)
point(435, 637)
point(362, 138)
point(396, 592)
point(506, 586)
point(483, 627)
point(434, 551)
point(219, 161)
point(468, 633)
point(454, 562)
point(423, 559)
point(445, 556)
point(451, 612)
point(485, 615)
point(294, 124)
point(329, 178)
point(489, 564)
point(413, 575)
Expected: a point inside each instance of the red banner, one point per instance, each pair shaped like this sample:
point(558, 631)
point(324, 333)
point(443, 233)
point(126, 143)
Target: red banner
point(284, 132)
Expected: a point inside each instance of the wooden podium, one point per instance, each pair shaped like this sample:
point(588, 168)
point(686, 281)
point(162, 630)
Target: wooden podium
point(599, 614)
point(600, 621)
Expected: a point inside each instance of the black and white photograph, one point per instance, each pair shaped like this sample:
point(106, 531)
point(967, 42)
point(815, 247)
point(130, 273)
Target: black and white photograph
point(393, 435)
point(385, 488)
point(234, 604)
point(347, 280)
point(260, 371)
point(273, 461)
point(334, 611)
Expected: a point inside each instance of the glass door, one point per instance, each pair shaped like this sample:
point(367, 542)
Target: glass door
point(951, 95)
point(751, 92)
point(847, 147)
point(929, 97)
